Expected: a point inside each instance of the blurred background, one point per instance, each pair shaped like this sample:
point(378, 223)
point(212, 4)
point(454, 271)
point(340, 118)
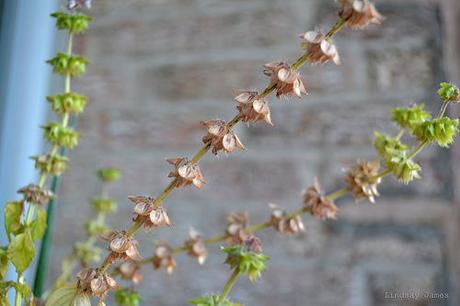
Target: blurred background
point(158, 67)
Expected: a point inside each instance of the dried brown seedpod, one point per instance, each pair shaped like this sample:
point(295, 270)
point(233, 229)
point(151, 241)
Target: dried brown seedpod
point(163, 258)
point(235, 231)
point(95, 284)
point(35, 194)
point(220, 137)
point(359, 13)
point(319, 48)
point(285, 79)
point(283, 223)
point(318, 205)
point(252, 107)
point(362, 180)
point(131, 270)
point(122, 246)
point(148, 213)
point(186, 172)
point(196, 246)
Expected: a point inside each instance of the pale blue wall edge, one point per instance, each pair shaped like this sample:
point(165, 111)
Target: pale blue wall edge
point(27, 39)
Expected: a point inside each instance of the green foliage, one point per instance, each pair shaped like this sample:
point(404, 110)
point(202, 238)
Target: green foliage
point(73, 23)
point(67, 103)
point(410, 117)
point(404, 169)
point(87, 253)
point(51, 164)
point(448, 92)
point(23, 289)
point(109, 174)
point(13, 212)
point(211, 300)
point(388, 146)
point(61, 136)
point(38, 226)
point(67, 296)
point(95, 228)
point(439, 130)
point(127, 297)
point(65, 64)
point(21, 251)
point(3, 262)
point(103, 205)
point(246, 262)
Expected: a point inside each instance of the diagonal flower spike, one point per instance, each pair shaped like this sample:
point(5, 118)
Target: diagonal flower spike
point(186, 173)
point(148, 213)
point(220, 137)
point(252, 107)
point(319, 48)
point(318, 205)
point(359, 13)
point(285, 79)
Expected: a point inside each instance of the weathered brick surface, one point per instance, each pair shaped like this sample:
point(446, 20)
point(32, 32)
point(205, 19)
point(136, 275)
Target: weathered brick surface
point(159, 67)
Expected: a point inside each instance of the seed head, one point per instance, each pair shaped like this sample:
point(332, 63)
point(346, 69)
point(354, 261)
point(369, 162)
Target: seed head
point(319, 49)
point(95, 284)
point(220, 137)
point(362, 181)
point(36, 195)
point(359, 13)
point(186, 173)
point(285, 79)
point(284, 224)
point(148, 213)
point(131, 270)
point(253, 108)
point(318, 205)
point(196, 246)
point(163, 258)
point(235, 231)
point(122, 246)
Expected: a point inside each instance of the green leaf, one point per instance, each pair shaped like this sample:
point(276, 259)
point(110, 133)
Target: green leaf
point(211, 300)
point(127, 297)
point(13, 212)
point(64, 296)
point(21, 251)
point(38, 226)
point(3, 262)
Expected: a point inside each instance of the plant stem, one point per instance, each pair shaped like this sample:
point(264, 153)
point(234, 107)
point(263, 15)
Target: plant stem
point(228, 286)
point(43, 257)
point(197, 157)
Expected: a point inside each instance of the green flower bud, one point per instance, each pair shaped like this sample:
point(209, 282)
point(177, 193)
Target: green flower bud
point(61, 136)
point(103, 205)
point(51, 164)
point(68, 64)
point(73, 23)
point(211, 300)
point(387, 146)
point(440, 130)
point(403, 169)
point(247, 262)
point(87, 253)
point(448, 92)
point(127, 297)
point(67, 103)
point(109, 174)
point(410, 117)
point(94, 228)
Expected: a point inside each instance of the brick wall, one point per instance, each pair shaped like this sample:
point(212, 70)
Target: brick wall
point(159, 67)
